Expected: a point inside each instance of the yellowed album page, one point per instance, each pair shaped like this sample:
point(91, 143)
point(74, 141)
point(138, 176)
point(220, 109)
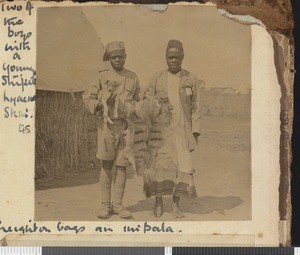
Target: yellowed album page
point(138, 125)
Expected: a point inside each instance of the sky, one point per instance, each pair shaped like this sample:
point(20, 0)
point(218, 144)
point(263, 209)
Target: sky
point(217, 49)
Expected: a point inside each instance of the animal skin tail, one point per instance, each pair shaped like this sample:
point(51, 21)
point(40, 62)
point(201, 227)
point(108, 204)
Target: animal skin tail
point(132, 162)
point(106, 118)
point(147, 182)
point(129, 152)
point(116, 115)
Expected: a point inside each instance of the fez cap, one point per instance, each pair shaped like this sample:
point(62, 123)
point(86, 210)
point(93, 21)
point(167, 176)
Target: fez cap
point(113, 46)
point(175, 44)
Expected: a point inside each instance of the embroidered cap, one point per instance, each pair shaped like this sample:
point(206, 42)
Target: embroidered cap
point(113, 46)
point(175, 44)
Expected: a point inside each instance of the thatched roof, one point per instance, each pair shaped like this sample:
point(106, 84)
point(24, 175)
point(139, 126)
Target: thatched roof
point(69, 52)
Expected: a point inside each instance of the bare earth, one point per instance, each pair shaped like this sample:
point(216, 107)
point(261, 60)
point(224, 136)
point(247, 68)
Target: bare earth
point(223, 183)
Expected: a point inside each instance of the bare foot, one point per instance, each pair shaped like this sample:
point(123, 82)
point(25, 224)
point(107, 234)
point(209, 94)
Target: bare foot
point(176, 212)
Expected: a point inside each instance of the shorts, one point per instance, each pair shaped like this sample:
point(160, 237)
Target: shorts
point(111, 142)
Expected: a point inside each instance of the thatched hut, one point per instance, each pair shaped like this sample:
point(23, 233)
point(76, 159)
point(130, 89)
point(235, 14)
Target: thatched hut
point(68, 59)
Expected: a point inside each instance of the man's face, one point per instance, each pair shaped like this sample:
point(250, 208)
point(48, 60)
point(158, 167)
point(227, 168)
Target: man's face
point(174, 59)
point(117, 59)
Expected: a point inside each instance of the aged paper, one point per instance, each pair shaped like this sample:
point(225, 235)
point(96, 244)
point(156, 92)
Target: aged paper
point(53, 52)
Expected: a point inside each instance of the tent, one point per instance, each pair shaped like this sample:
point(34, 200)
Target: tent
point(69, 55)
point(69, 52)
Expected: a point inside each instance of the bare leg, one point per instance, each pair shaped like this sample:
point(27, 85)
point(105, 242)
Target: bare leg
point(118, 193)
point(158, 208)
point(177, 214)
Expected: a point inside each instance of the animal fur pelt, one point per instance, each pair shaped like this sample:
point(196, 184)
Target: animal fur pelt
point(147, 121)
point(113, 91)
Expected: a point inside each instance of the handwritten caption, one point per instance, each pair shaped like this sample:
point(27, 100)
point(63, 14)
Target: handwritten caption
point(17, 78)
point(34, 227)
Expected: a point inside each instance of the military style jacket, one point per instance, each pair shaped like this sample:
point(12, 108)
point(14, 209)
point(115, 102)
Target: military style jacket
point(190, 88)
point(126, 80)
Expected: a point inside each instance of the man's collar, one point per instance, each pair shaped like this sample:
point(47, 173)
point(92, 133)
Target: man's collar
point(119, 72)
point(178, 74)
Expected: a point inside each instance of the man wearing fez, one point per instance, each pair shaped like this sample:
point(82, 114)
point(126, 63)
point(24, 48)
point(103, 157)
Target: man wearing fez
point(181, 89)
point(111, 141)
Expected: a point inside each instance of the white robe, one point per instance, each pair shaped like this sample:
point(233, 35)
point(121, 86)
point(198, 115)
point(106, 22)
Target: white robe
point(184, 157)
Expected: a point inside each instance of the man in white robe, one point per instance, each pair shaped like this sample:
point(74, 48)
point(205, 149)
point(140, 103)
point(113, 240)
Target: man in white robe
point(182, 89)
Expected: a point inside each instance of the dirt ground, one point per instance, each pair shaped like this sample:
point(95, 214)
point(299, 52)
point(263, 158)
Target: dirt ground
point(223, 183)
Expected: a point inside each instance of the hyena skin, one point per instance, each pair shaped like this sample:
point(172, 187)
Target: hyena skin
point(147, 121)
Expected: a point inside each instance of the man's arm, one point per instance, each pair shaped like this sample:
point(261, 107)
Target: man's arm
point(90, 98)
point(136, 96)
point(150, 91)
point(196, 107)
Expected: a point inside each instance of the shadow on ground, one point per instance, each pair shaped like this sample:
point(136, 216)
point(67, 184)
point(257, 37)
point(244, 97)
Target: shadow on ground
point(73, 179)
point(199, 205)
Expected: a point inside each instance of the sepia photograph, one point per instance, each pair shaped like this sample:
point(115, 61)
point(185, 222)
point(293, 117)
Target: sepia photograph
point(144, 125)
point(142, 116)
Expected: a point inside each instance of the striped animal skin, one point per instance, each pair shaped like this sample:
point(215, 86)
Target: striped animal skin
point(147, 124)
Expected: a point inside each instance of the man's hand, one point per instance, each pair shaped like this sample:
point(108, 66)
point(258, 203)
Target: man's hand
point(162, 96)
